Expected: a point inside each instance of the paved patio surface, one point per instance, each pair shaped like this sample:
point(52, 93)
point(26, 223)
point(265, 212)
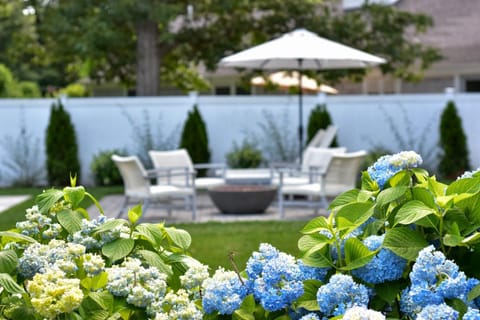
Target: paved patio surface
point(10, 201)
point(206, 211)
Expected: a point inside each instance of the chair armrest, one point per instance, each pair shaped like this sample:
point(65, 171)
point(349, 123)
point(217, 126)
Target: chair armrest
point(283, 165)
point(169, 172)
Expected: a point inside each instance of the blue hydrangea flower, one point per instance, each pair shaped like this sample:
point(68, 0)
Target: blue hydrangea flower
point(438, 312)
point(224, 292)
point(385, 266)
point(387, 166)
point(315, 273)
point(340, 294)
point(472, 314)
point(433, 279)
point(274, 277)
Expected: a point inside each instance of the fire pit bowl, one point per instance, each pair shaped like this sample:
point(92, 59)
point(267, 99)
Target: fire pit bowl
point(242, 198)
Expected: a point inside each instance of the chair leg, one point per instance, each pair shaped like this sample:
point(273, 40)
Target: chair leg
point(281, 209)
point(146, 204)
point(124, 205)
point(194, 206)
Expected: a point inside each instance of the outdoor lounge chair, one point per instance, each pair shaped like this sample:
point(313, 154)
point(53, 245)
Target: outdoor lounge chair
point(137, 186)
point(174, 161)
point(339, 176)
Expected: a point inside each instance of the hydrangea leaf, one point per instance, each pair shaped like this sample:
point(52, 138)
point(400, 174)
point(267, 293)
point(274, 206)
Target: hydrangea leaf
point(95, 283)
point(368, 183)
point(153, 233)
point(424, 195)
point(315, 225)
point(70, 220)
point(108, 226)
point(8, 261)
point(9, 236)
point(178, 237)
point(74, 195)
point(23, 312)
point(309, 298)
point(9, 284)
point(412, 212)
point(154, 259)
point(353, 214)
point(401, 178)
point(474, 293)
point(356, 254)
point(246, 310)
point(134, 214)
point(344, 198)
point(102, 299)
point(468, 185)
point(390, 195)
point(420, 173)
point(118, 249)
point(388, 291)
point(405, 242)
point(47, 199)
point(313, 242)
point(458, 305)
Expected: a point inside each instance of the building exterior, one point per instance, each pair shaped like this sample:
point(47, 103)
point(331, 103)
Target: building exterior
point(455, 33)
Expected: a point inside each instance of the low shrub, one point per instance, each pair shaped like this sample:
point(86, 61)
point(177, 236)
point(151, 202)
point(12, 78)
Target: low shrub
point(104, 170)
point(246, 155)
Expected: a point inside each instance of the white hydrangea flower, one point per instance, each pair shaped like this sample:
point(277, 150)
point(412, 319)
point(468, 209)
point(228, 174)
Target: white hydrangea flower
point(193, 278)
point(362, 313)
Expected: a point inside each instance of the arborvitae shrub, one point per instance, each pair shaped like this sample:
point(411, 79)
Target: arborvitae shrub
point(319, 119)
point(195, 139)
point(454, 158)
point(62, 149)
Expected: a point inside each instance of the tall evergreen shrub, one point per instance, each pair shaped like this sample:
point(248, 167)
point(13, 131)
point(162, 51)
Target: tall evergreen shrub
point(195, 139)
point(319, 119)
point(62, 149)
point(454, 159)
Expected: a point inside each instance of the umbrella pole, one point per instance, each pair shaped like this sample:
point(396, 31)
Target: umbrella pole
point(300, 111)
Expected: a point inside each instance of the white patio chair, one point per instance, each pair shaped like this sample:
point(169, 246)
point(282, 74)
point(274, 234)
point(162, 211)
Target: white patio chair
point(313, 157)
point(339, 176)
point(173, 161)
point(137, 187)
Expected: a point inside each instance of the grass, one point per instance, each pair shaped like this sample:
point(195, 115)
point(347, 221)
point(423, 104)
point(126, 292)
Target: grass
point(9, 217)
point(213, 241)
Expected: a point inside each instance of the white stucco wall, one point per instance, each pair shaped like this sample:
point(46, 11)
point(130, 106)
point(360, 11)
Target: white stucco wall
point(101, 123)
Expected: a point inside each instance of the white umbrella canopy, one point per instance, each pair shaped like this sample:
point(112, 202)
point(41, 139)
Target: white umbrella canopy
point(301, 50)
point(291, 79)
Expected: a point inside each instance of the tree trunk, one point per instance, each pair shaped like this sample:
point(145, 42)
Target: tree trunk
point(148, 62)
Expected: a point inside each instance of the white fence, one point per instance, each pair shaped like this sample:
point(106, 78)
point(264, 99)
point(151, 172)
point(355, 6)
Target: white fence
point(363, 122)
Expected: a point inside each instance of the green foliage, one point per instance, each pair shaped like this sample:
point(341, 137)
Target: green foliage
point(75, 90)
point(29, 89)
point(104, 170)
point(6, 82)
point(61, 147)
point(80, 36)
point(194, 138)
point(319, 119)
point(247, 155)
point(10, 88)
point(454, 158)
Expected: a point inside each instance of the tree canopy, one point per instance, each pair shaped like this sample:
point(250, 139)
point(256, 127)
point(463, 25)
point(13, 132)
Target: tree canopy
point(146, 42)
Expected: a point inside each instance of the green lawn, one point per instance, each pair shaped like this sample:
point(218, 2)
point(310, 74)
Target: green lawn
point(211, 242)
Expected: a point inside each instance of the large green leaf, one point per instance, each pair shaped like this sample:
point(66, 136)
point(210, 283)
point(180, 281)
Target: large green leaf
point(47, 199)
point(316, 224)
point(390, 195)
point(389, 291)
point(425, 196)
point(70, 220)
point(344, 198)
point(412, 211)
point(319, 258)
point(463, 186)
point(153, 233)
point(14, 236)
point(109, 225)
point(404, 242)
point(353, 214)
point(74, 195)
point(356, 254)
point(309, 298)
point(8, 261)
point(23, 313)
point(179, 237)
point(401, 178)
point(118, 248)
point(95, 283)
point(155, 260)
point(246, 310)
point(313, 242)
point(103, 299)
point(9, 284)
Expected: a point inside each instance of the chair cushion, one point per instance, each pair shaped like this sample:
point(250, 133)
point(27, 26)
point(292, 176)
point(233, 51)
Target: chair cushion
point(162, 191)
point(206, 183)
point(312, 189)
point(291, 180)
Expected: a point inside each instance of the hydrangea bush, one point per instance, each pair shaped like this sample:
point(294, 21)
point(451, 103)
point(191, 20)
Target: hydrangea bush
point(403, 246)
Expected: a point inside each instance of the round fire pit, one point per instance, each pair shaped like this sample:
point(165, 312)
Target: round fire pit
point(242, 198)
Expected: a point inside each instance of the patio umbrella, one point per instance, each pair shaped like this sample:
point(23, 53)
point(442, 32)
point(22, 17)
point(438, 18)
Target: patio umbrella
point(291, 79)
point(301, 50)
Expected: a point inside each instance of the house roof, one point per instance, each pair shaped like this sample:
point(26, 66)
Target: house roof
point(456, 27)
